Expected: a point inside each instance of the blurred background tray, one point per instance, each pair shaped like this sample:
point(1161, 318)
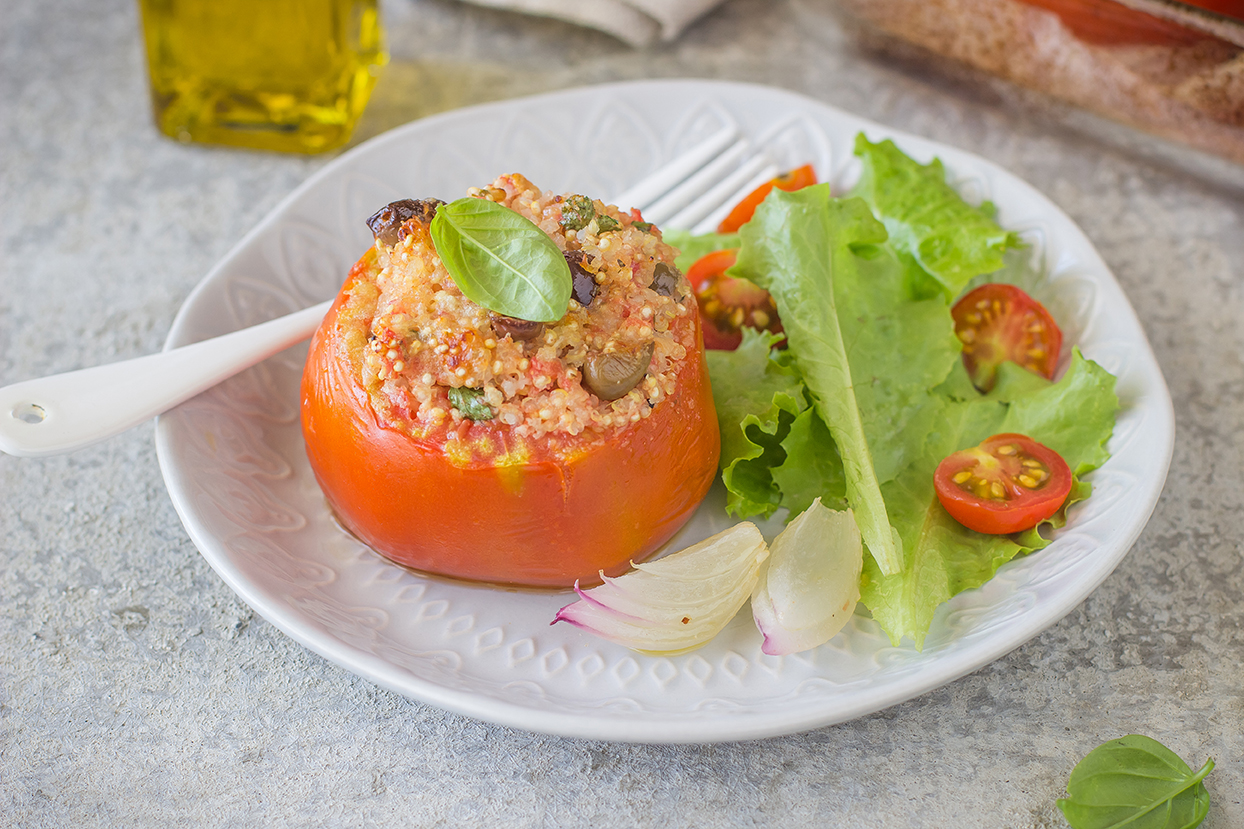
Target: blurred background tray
point(1123, 72)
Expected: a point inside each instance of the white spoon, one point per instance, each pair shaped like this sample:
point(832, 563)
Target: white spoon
point(65, 412)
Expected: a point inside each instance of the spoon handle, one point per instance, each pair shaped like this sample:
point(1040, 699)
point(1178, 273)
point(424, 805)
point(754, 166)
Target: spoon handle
point(64, 412)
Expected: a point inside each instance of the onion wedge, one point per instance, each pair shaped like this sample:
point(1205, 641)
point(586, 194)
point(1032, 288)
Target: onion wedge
point(808, 590)
point(677, 603)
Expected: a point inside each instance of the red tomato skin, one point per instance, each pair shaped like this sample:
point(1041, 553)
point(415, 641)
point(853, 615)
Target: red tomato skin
point(1028, 507)
point(710, 265)
point(704, 269)
point(558, 518)
point(796, 179)
point(1108, 23)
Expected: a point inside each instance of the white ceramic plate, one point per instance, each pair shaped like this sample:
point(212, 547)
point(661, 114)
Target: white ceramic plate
point(234, 463)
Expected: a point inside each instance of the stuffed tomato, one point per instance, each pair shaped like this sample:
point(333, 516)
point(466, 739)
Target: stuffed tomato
point(465, 442)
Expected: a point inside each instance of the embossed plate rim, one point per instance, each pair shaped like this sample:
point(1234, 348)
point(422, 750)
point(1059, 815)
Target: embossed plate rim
point(814, 701)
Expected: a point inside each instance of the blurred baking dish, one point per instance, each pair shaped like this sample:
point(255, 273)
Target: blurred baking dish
point(1173, 69)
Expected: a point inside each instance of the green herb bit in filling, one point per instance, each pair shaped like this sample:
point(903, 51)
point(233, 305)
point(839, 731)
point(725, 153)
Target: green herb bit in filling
point(646, 227)
point(604, 223)
point(470, 403)
point(577, 212)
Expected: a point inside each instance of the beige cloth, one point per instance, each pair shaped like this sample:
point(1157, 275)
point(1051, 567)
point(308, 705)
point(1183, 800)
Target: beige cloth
point(638, 22)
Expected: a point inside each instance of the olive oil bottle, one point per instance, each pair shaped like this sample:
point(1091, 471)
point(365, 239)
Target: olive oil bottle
point(287, 75)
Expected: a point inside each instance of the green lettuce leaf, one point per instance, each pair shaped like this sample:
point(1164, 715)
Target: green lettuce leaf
point(871, 394)
point(868, 354)
point(927, 220)
point(757, 398)
point(1013, 381)
point(812, 467)
point(1074, 417)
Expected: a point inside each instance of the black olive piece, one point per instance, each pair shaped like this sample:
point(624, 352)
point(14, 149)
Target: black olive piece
point(665, 280)
point(611, 375)
point(386, 224)
point(583, 283)
point(519, 330)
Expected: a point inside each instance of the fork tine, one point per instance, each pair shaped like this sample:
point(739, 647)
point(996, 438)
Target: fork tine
point(697, 184)
point(706, 212)
point(667, 176)
point(699, 188)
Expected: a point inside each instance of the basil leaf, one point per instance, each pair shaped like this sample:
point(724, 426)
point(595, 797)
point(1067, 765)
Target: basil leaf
point(470, 403)
point(1138, 783)
point(501, 260)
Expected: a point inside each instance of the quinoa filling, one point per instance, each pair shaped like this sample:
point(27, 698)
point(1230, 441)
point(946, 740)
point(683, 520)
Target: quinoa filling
point(438, 366)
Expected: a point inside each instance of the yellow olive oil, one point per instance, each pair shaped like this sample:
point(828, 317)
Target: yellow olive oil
point(287, 75)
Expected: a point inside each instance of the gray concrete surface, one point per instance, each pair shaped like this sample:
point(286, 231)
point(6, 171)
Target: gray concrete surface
point(137, 690)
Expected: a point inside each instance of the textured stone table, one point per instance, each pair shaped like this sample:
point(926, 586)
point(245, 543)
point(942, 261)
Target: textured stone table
point(137, 690)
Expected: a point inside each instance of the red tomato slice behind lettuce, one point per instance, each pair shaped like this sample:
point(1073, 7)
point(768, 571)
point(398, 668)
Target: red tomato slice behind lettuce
point(796, 179)
point(728, 304)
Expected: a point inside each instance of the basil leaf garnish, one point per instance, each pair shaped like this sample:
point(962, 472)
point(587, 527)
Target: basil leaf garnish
point(470, 403)
point(1135, 782)
point(501, 260)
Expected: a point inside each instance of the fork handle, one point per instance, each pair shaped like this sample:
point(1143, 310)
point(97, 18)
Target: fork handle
point(64, 412)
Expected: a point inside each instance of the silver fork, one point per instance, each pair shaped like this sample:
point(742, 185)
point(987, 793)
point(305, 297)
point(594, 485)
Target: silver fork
point(64, 412)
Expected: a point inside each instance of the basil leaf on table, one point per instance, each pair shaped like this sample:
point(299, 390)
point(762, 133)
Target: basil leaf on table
point(1137, 783)
point(500, 260)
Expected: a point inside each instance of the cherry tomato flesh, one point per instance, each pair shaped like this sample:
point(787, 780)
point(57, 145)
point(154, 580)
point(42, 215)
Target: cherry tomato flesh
point(796, 179)
point(555, 515)
point(727, 303)
point(997, 323)
point(1007, 484)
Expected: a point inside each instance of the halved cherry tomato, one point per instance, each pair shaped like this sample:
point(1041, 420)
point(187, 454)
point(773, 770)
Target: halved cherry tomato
point(1108, 23)
point(796, 179)
point(512, 511)
point(1007, 484)
point(728, 303)
point(996, 323)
